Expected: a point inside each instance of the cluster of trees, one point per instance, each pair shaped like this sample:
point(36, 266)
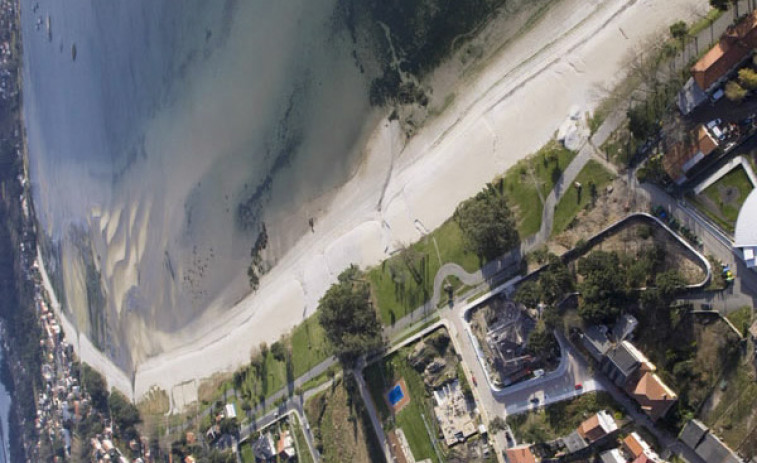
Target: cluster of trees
point(488, 224)
point(347, 316)
point(123, 413)
point(738, 89)
point(554, 282)
point(608, 278)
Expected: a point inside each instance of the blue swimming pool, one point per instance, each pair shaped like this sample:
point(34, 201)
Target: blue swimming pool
point(395, 395)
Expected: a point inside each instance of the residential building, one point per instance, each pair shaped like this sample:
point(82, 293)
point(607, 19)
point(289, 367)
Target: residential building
point(693, 433)
point(596, 342)
point(263, 448)
point(613, 456)
point(745, 238)
point(624, 327)
point(705, 444)
point(636, 447)
point(685, 154)
point(735, 47)
point(598, 426)
point(623, 362)
point(653, 395)
point(231, 411)
point(285, 446)
point(455, 415)
point(521, 454)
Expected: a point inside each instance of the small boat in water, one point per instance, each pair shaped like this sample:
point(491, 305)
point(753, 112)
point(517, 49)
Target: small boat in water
point(73, 52)
point(49, 29)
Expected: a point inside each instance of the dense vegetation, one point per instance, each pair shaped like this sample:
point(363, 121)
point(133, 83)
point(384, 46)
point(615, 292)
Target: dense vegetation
point(487, 223)
point(347, 316)
point(608, 279)
point(17, 308)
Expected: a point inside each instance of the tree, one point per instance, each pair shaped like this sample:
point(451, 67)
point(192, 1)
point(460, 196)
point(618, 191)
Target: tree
point(94, 384)
point(487, 223)
point(278, 351)
point(748, 78)
point(734, 91)
point(721, 5)
point(497, 424)
point(124, 414)
point(542, 343)
point(641, 123)
point(555, 281)
point(669, 284)
point(348, 318)
point(528, 294)
point(602, 288)
point(679, 30)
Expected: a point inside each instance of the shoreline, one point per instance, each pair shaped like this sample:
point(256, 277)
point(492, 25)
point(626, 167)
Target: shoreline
point(400, 191)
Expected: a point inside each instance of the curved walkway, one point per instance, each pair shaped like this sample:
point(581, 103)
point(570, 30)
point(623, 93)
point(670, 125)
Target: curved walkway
point(455, 270)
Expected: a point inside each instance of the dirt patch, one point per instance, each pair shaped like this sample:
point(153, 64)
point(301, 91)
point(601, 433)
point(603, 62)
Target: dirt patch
point(637, 238)
point(336, 420)
point(611, 205)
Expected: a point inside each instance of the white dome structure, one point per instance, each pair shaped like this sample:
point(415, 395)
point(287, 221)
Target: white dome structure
point(745, 238)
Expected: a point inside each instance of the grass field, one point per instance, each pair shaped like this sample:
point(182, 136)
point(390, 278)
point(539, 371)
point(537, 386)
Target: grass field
point(303, 452)
point(735, 414)
point(725, 197)
point(341, 427)
point(741, 318)
point(246, 453)
point(691, 352)
point(308, 347)
point(398, 290)
point(560, 419)
point(572, 202)
point(531, 179)
point(379, 377)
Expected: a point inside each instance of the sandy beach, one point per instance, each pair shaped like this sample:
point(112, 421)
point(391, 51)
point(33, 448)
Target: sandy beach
point(498, 117)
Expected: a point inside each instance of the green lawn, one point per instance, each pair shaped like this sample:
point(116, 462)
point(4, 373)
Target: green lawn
point(704, 22)
point(571, 203)
point(246, 453)
point(309, 347)
point(561, 418)
point(728, 194)
point(380, 376)
point(340, 425)
point(524, 181)
point(398, 290)
point(733, 416)
point(303, 455)
point(397, 296)
point(741, 318)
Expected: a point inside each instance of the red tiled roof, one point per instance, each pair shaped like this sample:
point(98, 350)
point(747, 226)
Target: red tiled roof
point(653, 395)
point(520, 455)
point(633, 446)
point(734, 46)
point(681, 153)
